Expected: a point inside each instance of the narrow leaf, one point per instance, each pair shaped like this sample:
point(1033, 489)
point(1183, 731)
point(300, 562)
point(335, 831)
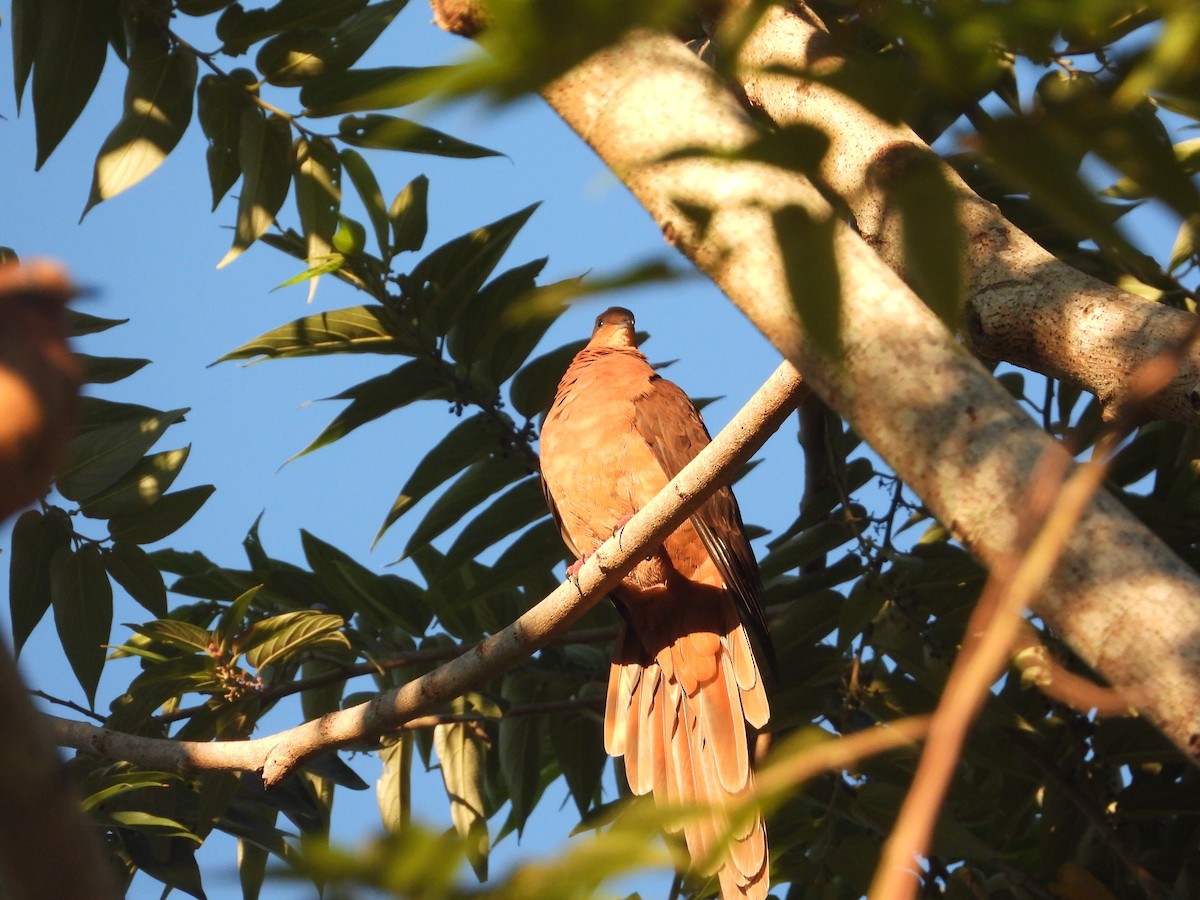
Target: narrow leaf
point(265, 157)
point(299, 56)
point(393, 790)
point(356, 329)
point(533, 387)
point(372, 197)
point(381, 132)
point(108, 369)
point(81, 323)
point(82, 599)
point(511, 512)
point(25, 26)
point(318, 179)
point(366, 89)
point(140, 487)
point(180, 635)
point(35, 540)
point(463, 768)
point(220, 104)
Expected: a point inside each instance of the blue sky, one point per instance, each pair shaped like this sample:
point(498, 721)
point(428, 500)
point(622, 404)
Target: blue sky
point(150, 255)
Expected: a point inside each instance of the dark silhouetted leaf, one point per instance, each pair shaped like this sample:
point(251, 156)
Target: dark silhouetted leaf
point(372, 197)
point(533, 387)
point(381, 132)
point(72, 43)
point(318, 179)
point(25, 25)
point(239, 28)
point(168, 515)
point(578, 742)
point(509, 513)
point(219, 107)
point(366, 89)
point(131, 567)
point(483, 325)
point(108, 369)
point(478, 483)
point(519, 746)
point(82, 599)
point(81, 323)
point(35, 539)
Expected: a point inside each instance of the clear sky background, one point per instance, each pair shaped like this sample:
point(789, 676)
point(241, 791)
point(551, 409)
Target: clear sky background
point(150, 254)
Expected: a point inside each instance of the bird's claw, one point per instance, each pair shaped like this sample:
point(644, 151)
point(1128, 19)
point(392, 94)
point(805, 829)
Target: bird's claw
point(619, 529)
point(573, 571)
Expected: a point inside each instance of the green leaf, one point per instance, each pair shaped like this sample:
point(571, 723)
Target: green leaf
point(131, 567)
point(201, 7)
point(265, 157)
point(810, 265)
point(409, 215)
point(35, 540)
point(157, 111)
point(469, 441)
point(519, 746)
point(296, 57)
point(138, 488)
point(479, 482)
point(234, 618)
point(81, 323)
point(511, 512)
point(220, 104)
point(532, 389)
point(372, 197)
point(463, 760)
point(536, 551)
point(165, 517)
point(281, 637)
point(451, 275)
point(379, 132)
point(180, 635)
point(82, 599)
point(239, 28)
point(72, 43)
point(578, 742)
point(108, 369)
point(101, 455)
point(355, 329)
point(415, 380)
point(365, 89)
point(393, 790)
point(318, 177)
point(484, 325)
point(917, 190)
point(25, 25)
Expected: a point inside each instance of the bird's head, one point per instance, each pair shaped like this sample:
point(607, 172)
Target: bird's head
point(614, 328)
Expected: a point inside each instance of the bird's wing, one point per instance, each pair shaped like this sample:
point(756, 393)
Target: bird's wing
point(670, 423)
point(557, 516)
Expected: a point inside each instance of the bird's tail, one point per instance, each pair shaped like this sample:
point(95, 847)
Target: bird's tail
point(679, 719)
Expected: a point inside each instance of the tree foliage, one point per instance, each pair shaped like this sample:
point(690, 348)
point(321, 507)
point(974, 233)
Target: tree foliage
point(1068, 116)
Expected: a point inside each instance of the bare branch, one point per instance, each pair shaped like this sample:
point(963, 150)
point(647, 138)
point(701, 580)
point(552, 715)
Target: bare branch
point(278, 754)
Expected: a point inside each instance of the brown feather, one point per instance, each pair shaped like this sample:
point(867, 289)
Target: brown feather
point(684, 682)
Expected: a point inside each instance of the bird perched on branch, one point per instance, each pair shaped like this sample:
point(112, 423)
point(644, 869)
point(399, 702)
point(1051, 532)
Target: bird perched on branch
point(684, 683)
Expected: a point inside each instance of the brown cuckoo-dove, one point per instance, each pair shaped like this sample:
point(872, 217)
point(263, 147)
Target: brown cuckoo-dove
point(684, 683)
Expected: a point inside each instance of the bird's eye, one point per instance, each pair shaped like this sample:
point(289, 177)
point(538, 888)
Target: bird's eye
point(599, 321)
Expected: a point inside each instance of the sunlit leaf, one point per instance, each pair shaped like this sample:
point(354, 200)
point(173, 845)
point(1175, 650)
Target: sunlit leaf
point(409, 216)
point(101, 455)
point(265, 157)
point(138, 488)
point(463, 759)
point(281, 637)
point(180, 635)
point(82, 599)
point(295, 57)
point(356, 329)
point(318, 178)
point(393, 790)
point(157, 111)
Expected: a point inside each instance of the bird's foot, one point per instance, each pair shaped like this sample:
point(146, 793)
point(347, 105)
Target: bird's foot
point(619, 528)
point(573, 570)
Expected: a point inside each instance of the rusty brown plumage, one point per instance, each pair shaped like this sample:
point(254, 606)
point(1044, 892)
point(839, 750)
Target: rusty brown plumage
point(684, 682)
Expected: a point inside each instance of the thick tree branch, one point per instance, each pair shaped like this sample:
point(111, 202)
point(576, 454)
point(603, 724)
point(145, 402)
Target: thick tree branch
point(1024, 305)
point(1127, 605)
point(41, 824)
point(278, 754)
